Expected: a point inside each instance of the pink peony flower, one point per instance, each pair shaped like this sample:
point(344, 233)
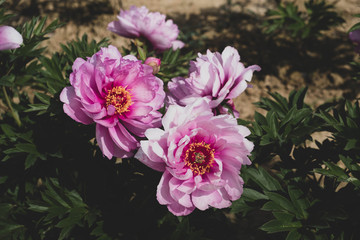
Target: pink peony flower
point(9, 38)
point(354, 36)
point(201, 156)
point(139, 22)
point(119, 94)
point(217, 77)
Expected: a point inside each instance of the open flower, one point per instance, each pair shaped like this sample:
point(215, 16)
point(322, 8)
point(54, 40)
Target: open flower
point(201, 156)
point(9, 38)
point(119, 94)
point(139, 22)
point(217, 77)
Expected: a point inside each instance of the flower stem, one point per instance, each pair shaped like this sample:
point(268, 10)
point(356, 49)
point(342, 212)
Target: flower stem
point(13, 112)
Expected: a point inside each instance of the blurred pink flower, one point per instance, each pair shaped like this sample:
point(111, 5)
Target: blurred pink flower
point(154, 63)
point(119, 94)
point(217, 77)
point(139, 22)
point(354, 36)
point(201, 156)
point(9, 38)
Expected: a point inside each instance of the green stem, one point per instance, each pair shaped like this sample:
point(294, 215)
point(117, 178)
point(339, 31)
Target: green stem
point(13, 113)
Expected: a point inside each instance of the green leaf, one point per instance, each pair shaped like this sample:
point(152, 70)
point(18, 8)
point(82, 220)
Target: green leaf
point(299, 201)
point(272, 206)
point(37, 107)
point(261, 177)
point(354, 27)
point(38, 208)
point(30, 160)
point(281, 201)
point(6, 230)
point(8, 130)
point(283, 216)
point(351, 144)
point(274, 226)
point(7, 80)
point(293, 235)
point(253, 195)
point(44, 98)
point(27, 147)
point(336, 170)
point(142, 53)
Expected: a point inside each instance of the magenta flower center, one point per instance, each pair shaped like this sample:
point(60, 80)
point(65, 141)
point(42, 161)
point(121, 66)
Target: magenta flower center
point(199, 157)
point(119, 98)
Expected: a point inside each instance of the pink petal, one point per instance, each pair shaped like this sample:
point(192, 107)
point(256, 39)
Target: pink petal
point(203, 199)
point(107, 145)
point(73, 107)
point(149, 155)
point(163, 190)
point(122, 138)
point(9, 38)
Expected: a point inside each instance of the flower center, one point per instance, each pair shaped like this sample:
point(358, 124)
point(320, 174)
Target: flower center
point(120, 98)
point(199, 157)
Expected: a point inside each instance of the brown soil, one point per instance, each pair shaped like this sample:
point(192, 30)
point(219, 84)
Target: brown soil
point(214, 24)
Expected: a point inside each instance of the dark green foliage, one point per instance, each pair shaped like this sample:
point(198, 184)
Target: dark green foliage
point(302, 25)
point(312, 191)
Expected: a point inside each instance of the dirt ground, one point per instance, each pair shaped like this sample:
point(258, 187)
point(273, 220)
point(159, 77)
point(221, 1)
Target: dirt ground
point(214, 24)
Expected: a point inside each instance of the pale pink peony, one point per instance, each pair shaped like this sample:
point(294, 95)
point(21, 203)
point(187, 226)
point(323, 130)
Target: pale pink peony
point(119, 94)
point(217, 77)
point(139, 22)
point(355, 38)
point(201, 156)
point(9, 38)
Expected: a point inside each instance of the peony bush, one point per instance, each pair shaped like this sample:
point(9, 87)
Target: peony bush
point(146, 142)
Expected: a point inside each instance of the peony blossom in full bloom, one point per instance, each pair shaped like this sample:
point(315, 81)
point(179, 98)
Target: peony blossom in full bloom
point(200, 156)
point(9, 38)
point(119, 94)
point(217, 77)
point(354, 36)
point(139, 22)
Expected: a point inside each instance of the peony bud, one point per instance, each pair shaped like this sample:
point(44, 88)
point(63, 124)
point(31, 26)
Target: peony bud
point(154, 63)
point(354, 36)
point(9, 38)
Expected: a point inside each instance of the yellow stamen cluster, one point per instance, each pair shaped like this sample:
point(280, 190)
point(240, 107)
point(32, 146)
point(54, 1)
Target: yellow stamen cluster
point(120, 98)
